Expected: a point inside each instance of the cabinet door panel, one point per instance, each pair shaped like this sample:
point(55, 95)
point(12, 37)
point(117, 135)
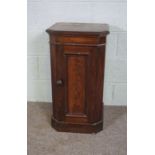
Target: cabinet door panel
point(76, 100)
point(77, 63)
point(76, 73)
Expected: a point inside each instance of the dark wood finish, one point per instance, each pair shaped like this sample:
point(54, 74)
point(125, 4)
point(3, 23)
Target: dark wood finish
point(76, 83)
point(77, 67)
point(79, 28)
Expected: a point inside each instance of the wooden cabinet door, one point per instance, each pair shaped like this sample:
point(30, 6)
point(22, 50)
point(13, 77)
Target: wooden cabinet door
point(77, 79)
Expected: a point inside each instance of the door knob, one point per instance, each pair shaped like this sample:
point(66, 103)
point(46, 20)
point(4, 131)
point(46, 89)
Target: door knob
point(59, 82)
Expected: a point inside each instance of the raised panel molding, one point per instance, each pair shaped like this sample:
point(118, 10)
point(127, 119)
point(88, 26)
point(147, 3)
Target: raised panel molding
point(76, 73)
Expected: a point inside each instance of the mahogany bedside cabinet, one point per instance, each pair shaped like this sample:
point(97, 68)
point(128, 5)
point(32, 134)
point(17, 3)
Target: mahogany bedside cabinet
point(77, 53)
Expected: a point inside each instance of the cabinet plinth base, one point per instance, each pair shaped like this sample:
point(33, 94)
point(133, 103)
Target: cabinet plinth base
point(77, 128)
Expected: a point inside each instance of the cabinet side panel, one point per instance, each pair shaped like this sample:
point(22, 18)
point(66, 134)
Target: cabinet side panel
point(53, 72)
point(76, 68)
point(59, 91)
point(91, 88)
point(100, 82)
point(95, 87)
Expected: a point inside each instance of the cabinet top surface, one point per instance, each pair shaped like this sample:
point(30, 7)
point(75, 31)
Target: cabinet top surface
point(79, 27)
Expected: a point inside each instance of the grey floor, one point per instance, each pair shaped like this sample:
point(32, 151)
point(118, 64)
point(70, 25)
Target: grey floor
point(44, 140)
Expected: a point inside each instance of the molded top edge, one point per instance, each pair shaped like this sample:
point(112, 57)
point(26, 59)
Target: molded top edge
point(65, 27)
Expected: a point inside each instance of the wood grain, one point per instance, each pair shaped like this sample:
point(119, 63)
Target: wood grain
point(77, 62)
point(76, 84)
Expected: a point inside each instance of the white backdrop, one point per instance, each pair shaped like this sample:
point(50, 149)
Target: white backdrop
point(43, 13)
